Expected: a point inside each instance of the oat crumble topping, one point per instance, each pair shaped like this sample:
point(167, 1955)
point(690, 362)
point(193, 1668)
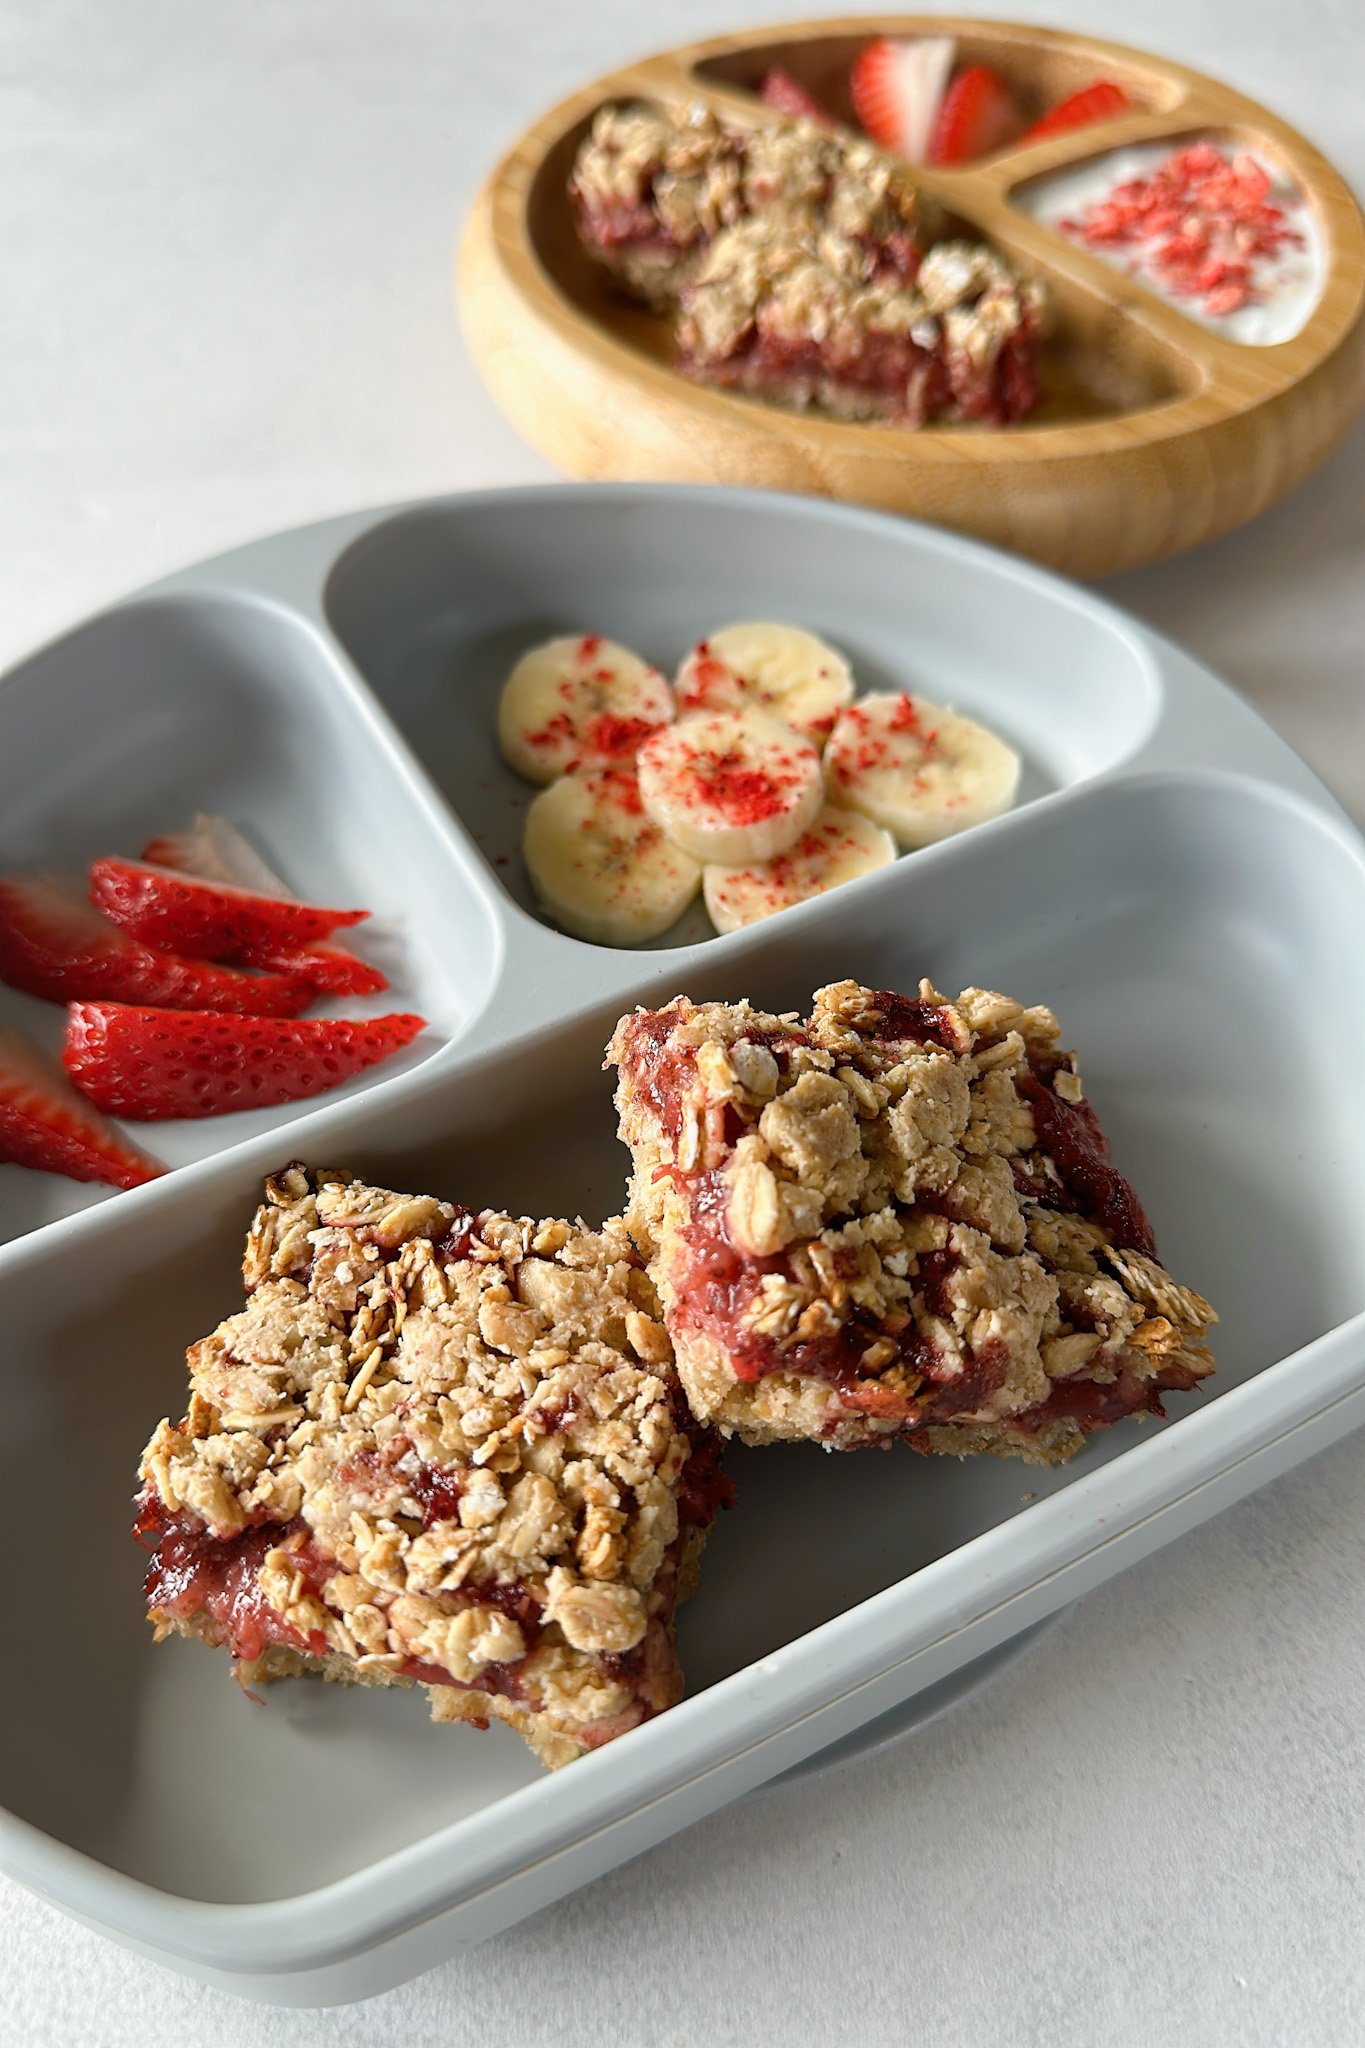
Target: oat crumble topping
point(436, 1448)
point(896, 1217)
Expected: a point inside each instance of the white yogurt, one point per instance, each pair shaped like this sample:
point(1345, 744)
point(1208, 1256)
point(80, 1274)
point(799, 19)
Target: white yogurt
point(1288, 286)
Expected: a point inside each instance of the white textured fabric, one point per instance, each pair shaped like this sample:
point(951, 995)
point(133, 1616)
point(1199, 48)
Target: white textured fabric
point(226, 234)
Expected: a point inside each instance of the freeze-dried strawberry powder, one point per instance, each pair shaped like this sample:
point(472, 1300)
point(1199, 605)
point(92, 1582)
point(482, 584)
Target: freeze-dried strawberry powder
point(742, 794)
point(614, 738)
point(1204, 222)
point(862, 746)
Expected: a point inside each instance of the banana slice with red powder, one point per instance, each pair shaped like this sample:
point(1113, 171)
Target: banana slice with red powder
point(918, 769)
point(599, 865)
point(760, 665)
point(579, 701)
point(839, 847)
point(734, 788)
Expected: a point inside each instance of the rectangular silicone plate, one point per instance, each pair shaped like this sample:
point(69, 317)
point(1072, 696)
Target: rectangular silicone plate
point(1176, 884)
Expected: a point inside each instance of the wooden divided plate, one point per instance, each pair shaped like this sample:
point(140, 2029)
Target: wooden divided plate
point(1155, 433)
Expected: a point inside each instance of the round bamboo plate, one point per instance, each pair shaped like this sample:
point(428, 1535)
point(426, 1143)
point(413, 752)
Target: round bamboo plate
point(1155, 433)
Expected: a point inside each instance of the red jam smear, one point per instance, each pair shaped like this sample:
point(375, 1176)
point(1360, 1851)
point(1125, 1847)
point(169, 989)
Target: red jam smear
point(660, 1073)
point(1070, 1134)
point(628, 223)
point(381, 1476)
point(721, 1283)
point(906, 381)
point(1095, 1405)
point(437, 1490)
point(907, 1020)
point(457, 1241)
point(196, 1573)
point(520, 1605)
point(703, 1489)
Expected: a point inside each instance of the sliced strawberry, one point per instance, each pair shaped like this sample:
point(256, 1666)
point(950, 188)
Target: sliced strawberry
point(897, 87)
point(331, 970)
point(46, 1125)
point(154, 1064)
point(978, 115)
point(788, 96)
point(55, 946)
point(1102, 101)
point(207, 920)
point(214, 849)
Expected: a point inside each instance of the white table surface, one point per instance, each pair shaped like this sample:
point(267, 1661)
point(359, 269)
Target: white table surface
point(225, 240)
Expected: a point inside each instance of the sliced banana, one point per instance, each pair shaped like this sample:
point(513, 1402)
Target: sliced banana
point(601, 868)
point(839, 846)
point(734, 788)
point(920, 770)
point(782, 670)
point(578, 701)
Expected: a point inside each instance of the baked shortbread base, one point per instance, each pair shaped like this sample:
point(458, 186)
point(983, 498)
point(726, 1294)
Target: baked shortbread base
point(894, 1218)
point(440, 1449)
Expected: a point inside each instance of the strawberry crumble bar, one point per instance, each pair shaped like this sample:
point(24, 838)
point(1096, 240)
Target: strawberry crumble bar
point(894, 1218)
point(441, 1449)
point(805, 267)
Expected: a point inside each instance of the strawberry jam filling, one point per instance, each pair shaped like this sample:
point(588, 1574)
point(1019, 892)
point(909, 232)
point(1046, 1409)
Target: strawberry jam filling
point(888, 371)
point(703, 1489)
point(908, 1020)
point(661, 1073)
point(721, 1284)
point(437, 1490)
point(1069, 1133)
point(633, 224)
point(194, 1574)
point(915, 1387)
point(457, 1241)
point(1095, 1404)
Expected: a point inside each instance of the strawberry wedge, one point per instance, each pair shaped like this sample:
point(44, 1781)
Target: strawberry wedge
point(1102, 101)
point(215, 850)
point(978, 115)
point(46, 1125)
point(329, 970)
point(788, 96)
point(152, 1065)
point(897, 86)
point(206, 920)
point(55, 946)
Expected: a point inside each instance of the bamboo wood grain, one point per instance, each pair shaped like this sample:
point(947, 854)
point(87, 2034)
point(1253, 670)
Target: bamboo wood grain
point(1157, 434)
